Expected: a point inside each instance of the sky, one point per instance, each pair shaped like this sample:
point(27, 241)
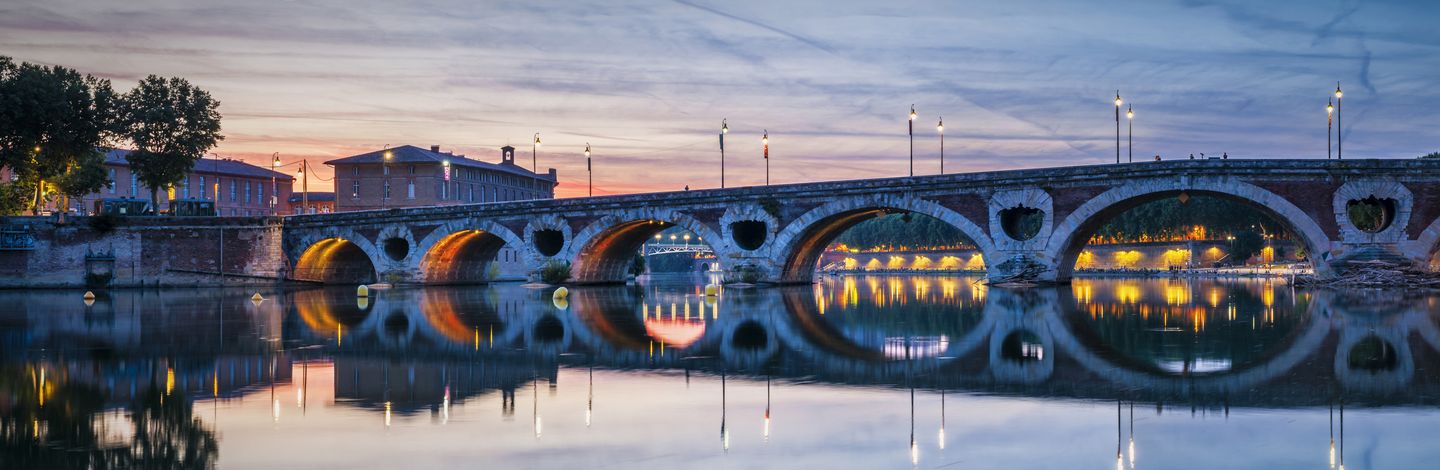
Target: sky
point(1020, 84)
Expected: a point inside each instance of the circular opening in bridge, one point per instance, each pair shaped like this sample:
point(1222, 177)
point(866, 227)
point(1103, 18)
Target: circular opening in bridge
point(396, 248)
point(1372, 214)
point(549, 329)
point(1182, 232)
point(1373, 354)
point(750, 335)
point(1022, 223)
point(548, 241)
point(1022, 346)
point(749, 235)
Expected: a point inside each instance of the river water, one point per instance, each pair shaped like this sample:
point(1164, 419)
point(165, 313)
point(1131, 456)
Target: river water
point(854, 372)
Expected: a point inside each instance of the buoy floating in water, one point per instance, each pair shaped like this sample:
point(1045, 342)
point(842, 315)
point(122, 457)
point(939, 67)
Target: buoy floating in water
point(712, 290)
point(362, 291)
point(561, 293)
point(89, 295)
point(256, 298)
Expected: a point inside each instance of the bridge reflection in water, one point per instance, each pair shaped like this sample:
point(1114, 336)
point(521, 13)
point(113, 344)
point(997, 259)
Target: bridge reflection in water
point(164, 357)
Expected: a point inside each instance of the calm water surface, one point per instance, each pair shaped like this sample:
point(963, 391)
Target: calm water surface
point(855, 372)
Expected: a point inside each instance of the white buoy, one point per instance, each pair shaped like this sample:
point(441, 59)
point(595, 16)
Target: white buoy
point(362, 291)
point(712, 290)
point(561, 293)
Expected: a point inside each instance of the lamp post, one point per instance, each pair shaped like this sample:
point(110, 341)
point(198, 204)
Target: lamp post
point(445, 185)
point(534, 150)
point(274, 185)
point(304, 186)
point(940, 127)
point(1118, 102)
point(1329, 129)
point(1340, 129)
point(911, 126)
point(765, 140)
point(724, 129)
point(385, 188)
point(589, 169)
point(1130, 136)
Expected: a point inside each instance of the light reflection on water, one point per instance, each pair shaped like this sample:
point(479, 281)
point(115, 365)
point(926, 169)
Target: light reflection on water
point(853, 372)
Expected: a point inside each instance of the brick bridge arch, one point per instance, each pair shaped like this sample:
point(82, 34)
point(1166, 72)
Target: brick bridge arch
point(601, 252)
point(333, 256)
point(462, 251)
point(1070, 236)
point(798, 247)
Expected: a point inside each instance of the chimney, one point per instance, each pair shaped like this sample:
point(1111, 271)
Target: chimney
point(435, 148)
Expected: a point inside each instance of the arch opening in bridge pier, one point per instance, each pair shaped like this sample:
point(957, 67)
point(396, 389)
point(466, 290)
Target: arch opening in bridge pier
point(807, 240)
point(1275, 221)
point(462, 257)
point(608, 248)
point(334, 261)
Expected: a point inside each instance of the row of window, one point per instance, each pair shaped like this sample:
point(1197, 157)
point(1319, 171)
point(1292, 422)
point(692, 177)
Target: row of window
point(471, 174)
point(257, 195)
point(462, 192)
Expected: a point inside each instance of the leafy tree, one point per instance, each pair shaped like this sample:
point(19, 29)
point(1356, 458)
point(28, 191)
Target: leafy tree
point(1431, 155)
point(15, 197)
point(53, 121)
point(637, 265)
point(171, 124)
point(1245, 245)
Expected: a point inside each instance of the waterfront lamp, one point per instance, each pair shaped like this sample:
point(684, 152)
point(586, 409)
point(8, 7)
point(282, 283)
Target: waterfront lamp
point(1339, 129)
point(1118, 103)
point(940, 128)
point(724, 129)
point(1130, 118)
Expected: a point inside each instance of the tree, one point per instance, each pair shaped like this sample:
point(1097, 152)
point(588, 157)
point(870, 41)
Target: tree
point(1245, 245)
point(53, 121)
point(171, 125)
point(1431, 155)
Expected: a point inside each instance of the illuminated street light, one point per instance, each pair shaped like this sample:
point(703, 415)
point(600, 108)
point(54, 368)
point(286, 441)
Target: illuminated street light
point(940, 127)
point(589, 169)
point(765, 140)
point(1340, 129)
point(535, 150)
point(274, 185)
point(385, 164)
point(1118, 102)
point(1130, 117)
point(1329, 129)
point(911, 124)
point(724, 129)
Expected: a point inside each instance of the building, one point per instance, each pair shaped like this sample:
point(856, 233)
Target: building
point(242, 189)
point(319, 203)
point(409, 176)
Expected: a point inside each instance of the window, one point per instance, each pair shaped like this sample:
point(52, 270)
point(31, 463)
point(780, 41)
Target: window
point(410, 187)
point(185, 188)
point(134, 184)
point(232, 194)
point(259, 188)
point(204, 190)
point(354, 171)
point(412, 169)
point(247, 193)
point(111, 183)
point(386, 169)
point(387, 189)
point(355, 189)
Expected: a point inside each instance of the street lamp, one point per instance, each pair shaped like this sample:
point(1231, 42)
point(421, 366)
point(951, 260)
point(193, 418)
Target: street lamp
point(304, 185)
point(1118, 102)
point(724, 129)
point(274, 185)
point(589, 169)
point(1340, 129)
point(1130, 117)
point(765, 140)
point(534, 150)
point(385, 165)
point(940, 127)
point(687, 240)
point(911, 124)
point(1329, 129)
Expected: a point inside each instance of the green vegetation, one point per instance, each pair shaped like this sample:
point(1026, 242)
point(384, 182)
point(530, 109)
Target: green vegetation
point(172, 124)
point(1431, 155)
point(55, 123)
point(555, 271)
point(908, 230)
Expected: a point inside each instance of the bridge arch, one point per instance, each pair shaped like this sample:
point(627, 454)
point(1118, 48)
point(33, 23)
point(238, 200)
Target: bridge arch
point(1070, 236)
point(1427, 246)
point(335, 258)
point(602, 250)
point(801, 243)
point(462, 252)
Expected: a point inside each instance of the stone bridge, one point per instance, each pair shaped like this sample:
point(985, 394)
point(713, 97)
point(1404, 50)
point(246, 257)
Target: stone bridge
point(1035, 220)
